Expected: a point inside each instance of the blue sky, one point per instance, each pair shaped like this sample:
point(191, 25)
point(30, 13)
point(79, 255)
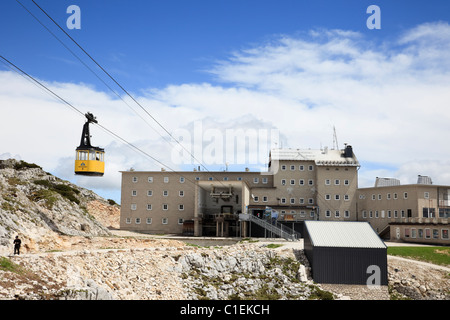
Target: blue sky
point(299, 67)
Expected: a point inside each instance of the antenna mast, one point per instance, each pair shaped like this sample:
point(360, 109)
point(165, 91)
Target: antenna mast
point(335, 141)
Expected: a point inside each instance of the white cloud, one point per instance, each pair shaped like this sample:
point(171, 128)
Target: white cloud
point(388, 100)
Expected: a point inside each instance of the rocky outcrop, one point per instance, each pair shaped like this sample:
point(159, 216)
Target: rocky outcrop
point(161, 271)
point(40, 207)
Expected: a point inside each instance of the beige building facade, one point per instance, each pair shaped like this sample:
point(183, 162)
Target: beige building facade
point(413, 213)
point(300, 184)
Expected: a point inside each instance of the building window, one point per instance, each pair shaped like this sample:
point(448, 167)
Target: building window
point(337, 214)
point(327, 182)
point(182, 179)
point(148, 221)
point(135, 179)
point(197, 178)
point(388, 196)
point(327, 197)
point(444, 234)
point(364, 214)
point(311, 182)
point(283, 167)
point(337, 182)
point(346, 197)
point(133, 206)
point(180, 221)
point(128, 220)
point(283, 200)
point(346, 182)
point(337, 197)
point(149, 207)
point(283, 182)
point(138, 221)
point(264, 180)
point(376, 213)
point(405, 195)
point(181, 193)
point(310, 201)
point(302, 201)
point(134, 193)
point(292, 182)
point(395, 213)
point(239, 179)
point(379, 197)
point(328, 213)
point(165, 207)
point(311, 168)
point(165, 221)
point(166, 179)
point(165, 193)
point(347, 214)
point(373, 197)
point(256, 198)
point(301, 167)
point(210, 179)
point(149, 193)
point(292, 200)
point(181, 207)
point(301, 182)
point(389, 214)
point(292, 167)
point(225, 178)
point(426, 195)
point(255, 180)
point(265, 199)
point(150, 179)
point(395, 196)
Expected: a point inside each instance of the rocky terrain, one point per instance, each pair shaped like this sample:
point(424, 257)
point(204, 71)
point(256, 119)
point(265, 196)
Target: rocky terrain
point(71, 250)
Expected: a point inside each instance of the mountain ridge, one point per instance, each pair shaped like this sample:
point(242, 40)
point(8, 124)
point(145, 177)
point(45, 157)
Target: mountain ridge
point(41, 208)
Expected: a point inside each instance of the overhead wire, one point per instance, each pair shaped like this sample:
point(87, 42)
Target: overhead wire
point(121, 87)
point(20, 71)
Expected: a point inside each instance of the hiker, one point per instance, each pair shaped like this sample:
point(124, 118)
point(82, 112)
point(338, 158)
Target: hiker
point(17, 243)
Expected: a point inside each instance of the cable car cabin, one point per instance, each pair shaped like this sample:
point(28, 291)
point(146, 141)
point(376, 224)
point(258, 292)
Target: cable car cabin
point(89, 160)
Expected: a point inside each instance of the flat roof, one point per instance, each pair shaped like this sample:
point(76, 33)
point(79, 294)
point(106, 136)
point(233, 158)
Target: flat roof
point(350, 234)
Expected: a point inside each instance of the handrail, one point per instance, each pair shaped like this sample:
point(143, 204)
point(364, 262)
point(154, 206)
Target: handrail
point(278, 228)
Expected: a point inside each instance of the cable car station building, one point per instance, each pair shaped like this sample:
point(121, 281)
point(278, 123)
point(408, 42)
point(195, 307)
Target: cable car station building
point(300, 184)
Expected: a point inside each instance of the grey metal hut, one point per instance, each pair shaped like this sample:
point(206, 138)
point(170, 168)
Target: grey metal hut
point(345, 253)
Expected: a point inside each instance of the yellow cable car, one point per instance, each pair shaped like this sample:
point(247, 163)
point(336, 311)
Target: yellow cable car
point(89, 160)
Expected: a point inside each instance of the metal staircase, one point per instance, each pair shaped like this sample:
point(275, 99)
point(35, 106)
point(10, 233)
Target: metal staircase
point(279, 229)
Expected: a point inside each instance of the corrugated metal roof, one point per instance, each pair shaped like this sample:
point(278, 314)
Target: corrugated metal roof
point(343, 234)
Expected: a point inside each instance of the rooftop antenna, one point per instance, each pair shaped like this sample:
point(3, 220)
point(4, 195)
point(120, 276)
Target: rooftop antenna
point(335, 141)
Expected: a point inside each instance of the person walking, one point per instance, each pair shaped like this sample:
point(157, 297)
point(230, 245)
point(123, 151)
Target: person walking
point(17, 243)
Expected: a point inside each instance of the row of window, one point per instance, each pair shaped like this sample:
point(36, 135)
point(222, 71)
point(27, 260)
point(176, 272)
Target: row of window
point(382, 213)
point(428, 234)
point(149, 220)
point(264, 180)
point(301, 182)
point(165, 193)
point(392, 196)
point(165, 207)
point(300, 167)
point(337, 213)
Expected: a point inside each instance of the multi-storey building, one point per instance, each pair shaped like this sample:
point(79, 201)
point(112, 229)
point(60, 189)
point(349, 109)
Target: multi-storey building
point(300, 184)
point(414, 212)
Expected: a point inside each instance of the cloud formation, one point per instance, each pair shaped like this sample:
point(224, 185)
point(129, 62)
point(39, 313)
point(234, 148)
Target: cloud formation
point(388, 100)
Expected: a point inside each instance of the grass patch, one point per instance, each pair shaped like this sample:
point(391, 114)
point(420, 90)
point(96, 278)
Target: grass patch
point(274, 246)
point(7, 265)
point(435, 255)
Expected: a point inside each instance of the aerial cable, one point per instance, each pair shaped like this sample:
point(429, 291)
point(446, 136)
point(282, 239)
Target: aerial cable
point(90, 69)
point(118, 84)
point(23, 73)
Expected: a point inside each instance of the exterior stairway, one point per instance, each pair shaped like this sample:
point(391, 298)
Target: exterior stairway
point(277, 228)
